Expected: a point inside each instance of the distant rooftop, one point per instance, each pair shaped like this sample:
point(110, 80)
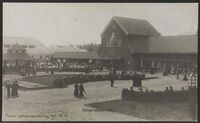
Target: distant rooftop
point(50, 50)
point(17, 47)
point(21, 41)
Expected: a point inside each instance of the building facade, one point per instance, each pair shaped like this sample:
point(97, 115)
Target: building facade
point(16, 59)
point(137, 45)
point(25, 42)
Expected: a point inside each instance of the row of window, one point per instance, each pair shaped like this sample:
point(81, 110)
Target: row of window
point(24, 46)
point(19, 51)
point(113, 44)
point(160, 64)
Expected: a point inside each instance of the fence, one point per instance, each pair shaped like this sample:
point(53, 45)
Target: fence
point(161, 96)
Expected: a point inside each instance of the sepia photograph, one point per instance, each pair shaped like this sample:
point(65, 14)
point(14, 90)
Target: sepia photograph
point(99, 61)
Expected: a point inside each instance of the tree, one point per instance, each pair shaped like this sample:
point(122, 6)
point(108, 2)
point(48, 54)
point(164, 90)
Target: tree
point(91, 47)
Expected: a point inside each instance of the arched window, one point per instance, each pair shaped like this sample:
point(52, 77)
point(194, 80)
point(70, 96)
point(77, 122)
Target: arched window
point(114, 41)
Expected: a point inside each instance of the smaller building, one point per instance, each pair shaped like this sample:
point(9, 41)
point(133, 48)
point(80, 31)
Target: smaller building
point(25, 42)
point(16, 58)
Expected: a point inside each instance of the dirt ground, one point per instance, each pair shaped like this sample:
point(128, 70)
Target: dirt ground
point(174, 111)
point(61, 105)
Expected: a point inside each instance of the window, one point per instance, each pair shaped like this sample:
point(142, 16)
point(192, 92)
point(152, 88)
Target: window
point(156, 64)
point(7, 46)
point(31, 46)
point(113, 26)
point(114, 41)
point(141, 63)
point(152, 64)
point(159, 64)
point(24, 46)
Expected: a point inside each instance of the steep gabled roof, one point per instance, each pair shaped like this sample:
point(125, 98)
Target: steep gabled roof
point(183, 44)
point(134, 26)
point(173, 44)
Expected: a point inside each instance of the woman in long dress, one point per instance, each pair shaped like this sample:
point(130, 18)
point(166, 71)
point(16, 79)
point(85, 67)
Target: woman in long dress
point(13, 90)
point(76, 90)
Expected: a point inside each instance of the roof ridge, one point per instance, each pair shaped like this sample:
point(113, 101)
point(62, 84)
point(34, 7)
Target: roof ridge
point(178, 35)
point(123, 21)
point(129, 18)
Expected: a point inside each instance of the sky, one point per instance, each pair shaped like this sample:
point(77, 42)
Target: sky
point(81, 23)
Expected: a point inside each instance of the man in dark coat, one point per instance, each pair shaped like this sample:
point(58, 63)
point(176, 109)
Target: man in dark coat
point(111, 72)
point(81, 90)
point(137, 81)
point(8, 87)
point(185, 76)
point(13, 90)
point(16, 89)
point(112, 80)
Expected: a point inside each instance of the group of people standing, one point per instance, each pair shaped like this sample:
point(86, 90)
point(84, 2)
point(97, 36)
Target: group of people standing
point(79, 90)
point(12, 89)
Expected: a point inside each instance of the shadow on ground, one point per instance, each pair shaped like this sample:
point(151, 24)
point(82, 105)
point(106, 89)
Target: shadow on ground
point(150, 111)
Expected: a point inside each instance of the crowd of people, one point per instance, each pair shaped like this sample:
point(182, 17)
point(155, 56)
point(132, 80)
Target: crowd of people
point(69, 66)
point(79, 90)
point(22, 68)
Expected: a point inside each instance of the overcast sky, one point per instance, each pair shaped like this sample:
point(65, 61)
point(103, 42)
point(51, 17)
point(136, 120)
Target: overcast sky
point(79, 23)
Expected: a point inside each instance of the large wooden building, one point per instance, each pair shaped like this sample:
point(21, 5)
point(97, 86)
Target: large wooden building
point(135, 44)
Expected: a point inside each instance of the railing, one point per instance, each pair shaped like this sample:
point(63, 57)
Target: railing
point(69, 79)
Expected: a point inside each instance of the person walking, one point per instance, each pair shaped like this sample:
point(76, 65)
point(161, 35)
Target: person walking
point(81, 90)
point(185, 76)
point(111, 76)
point(76, 90)
point(112, 80)
point(133, 79)
point(16, 88)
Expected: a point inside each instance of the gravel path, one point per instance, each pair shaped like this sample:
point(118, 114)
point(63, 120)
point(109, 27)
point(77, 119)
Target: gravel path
point(60, 104)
